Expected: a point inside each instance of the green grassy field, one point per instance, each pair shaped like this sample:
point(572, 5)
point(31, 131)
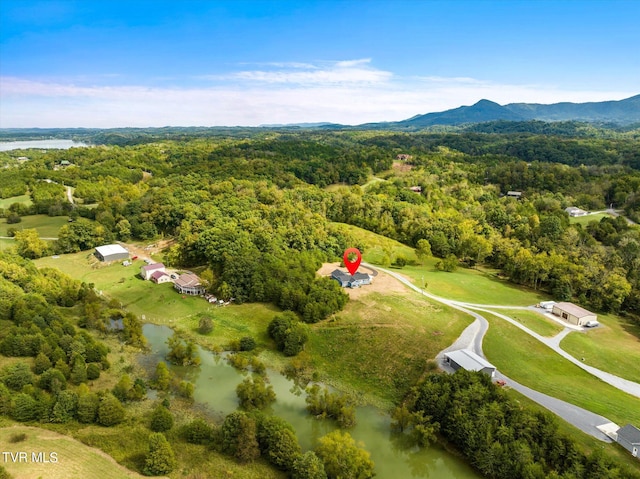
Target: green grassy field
point(47, 226)
point(74, 459)
point(6, 243)
point(531, 363)
point(377, 246)
point(613, 347)
point(585, 220)
point(534, 321)
point(380, 344)
point(23, 199)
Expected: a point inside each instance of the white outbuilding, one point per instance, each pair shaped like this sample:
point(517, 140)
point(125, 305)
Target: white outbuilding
point(111, 252)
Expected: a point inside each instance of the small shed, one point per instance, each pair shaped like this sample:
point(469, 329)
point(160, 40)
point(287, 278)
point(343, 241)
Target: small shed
point(629, 438)
point(160, 277)
point(347, 280)
point(111, 252)
point(514, 194)
point(467, 359)
point(148, 269)
point(574, 314)
point(574, 211)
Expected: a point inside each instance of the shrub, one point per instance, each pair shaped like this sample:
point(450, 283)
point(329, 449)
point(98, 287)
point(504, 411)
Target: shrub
point(160, 459)
point(93, 371)
point(255, 394)
point(13, 218)
point(198, 432)
point(110, 411)
point(17, 437)
point(205, 326)
point(247, 343)
point(161, 419)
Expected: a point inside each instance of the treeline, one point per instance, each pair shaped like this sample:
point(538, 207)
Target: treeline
point(501, 438)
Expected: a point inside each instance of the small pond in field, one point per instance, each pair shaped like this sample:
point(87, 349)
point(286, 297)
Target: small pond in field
point(215, 384)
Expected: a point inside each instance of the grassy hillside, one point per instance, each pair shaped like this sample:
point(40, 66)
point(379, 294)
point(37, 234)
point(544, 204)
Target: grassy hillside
point(47, 226)
point(22, 199)
point(74, 459)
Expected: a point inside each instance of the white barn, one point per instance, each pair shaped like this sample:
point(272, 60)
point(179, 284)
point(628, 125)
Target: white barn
point(111, 252)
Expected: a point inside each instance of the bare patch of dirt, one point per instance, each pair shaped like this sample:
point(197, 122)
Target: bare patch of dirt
point(382, 283)
point(401, 166)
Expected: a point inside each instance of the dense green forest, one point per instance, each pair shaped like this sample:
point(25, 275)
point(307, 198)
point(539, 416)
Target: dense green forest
point(263, 196)
point(257, 211)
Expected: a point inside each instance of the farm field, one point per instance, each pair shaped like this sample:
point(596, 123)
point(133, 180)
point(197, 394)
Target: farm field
point(526, 360)
point(47, 226)
point(585, 220)
point(614, 347)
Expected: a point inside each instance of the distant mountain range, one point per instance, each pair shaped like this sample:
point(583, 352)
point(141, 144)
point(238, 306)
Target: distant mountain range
point(622, 112)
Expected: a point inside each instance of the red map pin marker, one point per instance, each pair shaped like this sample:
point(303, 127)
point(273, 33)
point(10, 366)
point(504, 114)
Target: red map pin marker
point(352, 266)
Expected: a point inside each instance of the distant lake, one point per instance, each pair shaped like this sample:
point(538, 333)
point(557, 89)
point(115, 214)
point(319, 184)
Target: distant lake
point(42, 144)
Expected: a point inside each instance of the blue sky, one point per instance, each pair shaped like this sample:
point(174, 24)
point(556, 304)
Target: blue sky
point(95, 63)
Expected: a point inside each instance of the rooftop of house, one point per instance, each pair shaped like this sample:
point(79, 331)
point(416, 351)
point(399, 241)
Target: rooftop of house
point(344, 276)
point(153, 266)
point(188, 279)
point(158, 274)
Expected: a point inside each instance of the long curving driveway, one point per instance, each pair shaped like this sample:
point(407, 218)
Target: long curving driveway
point(471, 338)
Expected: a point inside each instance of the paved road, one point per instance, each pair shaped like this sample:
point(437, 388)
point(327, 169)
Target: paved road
point(471, 338)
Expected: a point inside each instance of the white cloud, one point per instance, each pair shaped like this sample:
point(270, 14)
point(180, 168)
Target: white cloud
point(349, 92)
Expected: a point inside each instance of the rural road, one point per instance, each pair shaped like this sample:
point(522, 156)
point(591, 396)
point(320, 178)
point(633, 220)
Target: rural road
point(471, 338)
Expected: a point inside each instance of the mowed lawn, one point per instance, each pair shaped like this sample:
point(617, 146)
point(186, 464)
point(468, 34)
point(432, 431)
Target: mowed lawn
point(22, 199)
point(614, 346)
point(47, 226)
point(526, 360)
point(380, 344)
point(585, 220)
point(534, 321)
point(74, 459)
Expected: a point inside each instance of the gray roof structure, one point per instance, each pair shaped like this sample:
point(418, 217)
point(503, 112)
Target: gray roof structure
point(469, 360)
point(630, 433)
point(341, 275)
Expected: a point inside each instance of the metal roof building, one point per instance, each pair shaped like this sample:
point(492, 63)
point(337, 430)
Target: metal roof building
point(111, 252)
point(574, 314)
point(467, 359)
point(629, 438)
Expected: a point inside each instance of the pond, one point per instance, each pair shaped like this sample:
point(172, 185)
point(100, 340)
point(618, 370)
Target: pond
point(41, 144)
point(215, 384)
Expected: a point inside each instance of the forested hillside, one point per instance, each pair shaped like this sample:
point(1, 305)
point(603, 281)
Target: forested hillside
point(263, 196)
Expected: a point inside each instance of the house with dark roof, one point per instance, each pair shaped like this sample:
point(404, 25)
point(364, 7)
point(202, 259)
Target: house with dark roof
point(629, 438)
point(148, 269)
point(189, 283)
point(160, 277)
point(347, 280)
